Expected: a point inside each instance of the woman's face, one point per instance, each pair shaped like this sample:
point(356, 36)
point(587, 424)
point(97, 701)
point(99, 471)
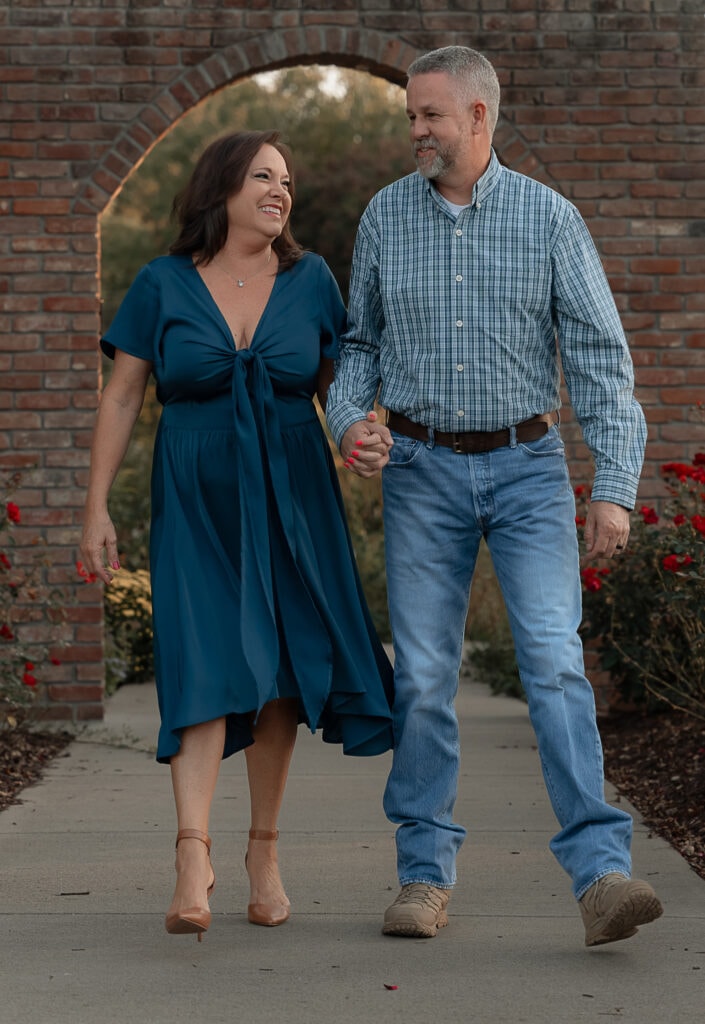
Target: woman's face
point(263, 204)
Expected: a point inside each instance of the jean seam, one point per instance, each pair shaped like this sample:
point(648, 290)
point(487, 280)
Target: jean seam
point(596, 878)
point(426, 881)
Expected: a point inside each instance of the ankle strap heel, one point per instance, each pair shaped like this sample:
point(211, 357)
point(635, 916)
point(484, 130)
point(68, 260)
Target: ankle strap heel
point(267, 835)
point(268, 914)
point(194, 833)
point(193, 920)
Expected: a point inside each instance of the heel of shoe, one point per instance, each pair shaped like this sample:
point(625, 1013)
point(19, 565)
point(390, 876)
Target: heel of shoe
point(193, 920)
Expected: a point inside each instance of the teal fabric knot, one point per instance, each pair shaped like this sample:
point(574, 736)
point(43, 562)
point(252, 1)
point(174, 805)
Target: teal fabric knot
point(276, 595)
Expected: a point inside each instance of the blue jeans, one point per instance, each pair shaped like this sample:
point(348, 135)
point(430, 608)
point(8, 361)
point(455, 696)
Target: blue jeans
point(437, 507)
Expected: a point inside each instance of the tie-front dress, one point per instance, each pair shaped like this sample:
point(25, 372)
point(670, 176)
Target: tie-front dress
point(255, 592)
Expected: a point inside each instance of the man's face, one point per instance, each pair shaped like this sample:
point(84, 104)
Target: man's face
point(439, 124)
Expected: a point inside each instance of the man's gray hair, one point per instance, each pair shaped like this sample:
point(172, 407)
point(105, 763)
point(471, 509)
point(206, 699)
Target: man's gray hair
point(476, 76)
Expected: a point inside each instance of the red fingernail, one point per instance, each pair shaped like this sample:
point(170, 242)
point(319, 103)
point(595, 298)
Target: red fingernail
point(354, 455)
point(116, 565)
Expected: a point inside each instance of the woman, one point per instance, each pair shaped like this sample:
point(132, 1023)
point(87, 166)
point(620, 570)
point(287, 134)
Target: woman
point(259, 618)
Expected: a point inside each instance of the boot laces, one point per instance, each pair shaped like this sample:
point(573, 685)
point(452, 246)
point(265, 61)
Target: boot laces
point(422, 894)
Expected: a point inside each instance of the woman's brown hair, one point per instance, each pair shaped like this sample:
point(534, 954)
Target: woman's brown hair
point(220, 173)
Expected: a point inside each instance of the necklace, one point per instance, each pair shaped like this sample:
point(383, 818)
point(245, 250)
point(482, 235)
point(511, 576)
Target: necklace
point(242, 281)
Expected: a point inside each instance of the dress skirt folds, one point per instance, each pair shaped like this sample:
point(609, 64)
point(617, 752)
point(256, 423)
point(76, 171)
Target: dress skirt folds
point(254, 587)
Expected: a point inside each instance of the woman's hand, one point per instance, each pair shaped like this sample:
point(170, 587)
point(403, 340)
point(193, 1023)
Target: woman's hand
point(99, 536)
point(119, 407)
point(365, 446)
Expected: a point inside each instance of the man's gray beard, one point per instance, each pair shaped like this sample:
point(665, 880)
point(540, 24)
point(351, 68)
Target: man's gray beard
point(435, 169)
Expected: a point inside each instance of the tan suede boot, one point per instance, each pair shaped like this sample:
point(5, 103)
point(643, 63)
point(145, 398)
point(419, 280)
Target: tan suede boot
point(614, 906)
point(418, 911)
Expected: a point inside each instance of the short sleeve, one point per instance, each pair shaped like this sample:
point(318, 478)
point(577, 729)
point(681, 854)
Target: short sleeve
point(135, 324)
point(333, 313)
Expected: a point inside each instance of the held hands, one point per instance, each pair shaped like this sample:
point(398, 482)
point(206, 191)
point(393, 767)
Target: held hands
point(606, 530)
point(365, 446)
point(98, 534)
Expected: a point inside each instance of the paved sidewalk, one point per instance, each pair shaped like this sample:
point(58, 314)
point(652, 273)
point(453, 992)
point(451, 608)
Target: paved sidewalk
point(87, 871)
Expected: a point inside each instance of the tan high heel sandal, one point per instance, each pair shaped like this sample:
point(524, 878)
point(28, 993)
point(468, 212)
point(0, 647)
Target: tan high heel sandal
point(193, 920)
point(269, 915)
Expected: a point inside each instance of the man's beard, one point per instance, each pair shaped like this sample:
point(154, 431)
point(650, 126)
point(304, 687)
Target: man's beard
point(441, 163)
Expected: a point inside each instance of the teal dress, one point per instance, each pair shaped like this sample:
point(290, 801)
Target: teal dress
point(255, 592)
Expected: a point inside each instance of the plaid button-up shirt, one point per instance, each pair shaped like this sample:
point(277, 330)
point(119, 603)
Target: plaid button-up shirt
point(457, 322)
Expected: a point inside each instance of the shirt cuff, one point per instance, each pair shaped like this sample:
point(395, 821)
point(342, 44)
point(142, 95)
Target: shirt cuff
point(618, 487)
point(342, 417)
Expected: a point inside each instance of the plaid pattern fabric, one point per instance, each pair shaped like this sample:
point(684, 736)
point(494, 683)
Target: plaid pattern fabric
point(461, 319)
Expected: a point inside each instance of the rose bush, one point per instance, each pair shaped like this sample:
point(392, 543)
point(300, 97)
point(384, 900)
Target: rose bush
point(21, 587)
point(645, 613)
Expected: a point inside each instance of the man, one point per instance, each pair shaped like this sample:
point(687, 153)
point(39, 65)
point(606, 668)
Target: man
point(467, 280)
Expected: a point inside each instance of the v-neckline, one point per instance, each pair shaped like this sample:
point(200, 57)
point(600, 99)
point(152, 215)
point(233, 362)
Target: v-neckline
point(221, 317)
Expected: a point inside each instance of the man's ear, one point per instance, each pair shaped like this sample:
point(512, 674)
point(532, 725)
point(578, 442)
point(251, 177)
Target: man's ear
point(478, 114)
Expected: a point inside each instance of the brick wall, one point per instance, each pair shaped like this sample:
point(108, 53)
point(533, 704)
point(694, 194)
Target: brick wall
point(603, 99)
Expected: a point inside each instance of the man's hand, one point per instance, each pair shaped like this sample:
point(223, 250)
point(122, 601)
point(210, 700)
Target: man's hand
point(606, 530)
point(365, 446)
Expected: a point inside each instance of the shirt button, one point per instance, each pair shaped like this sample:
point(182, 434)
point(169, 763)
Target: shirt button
point(458, 232)
point(458, 323)
point(460, 367)
point(458, 277)
point(461, 412)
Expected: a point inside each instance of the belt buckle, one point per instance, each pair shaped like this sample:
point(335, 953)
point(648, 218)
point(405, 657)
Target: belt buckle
point(457, 445)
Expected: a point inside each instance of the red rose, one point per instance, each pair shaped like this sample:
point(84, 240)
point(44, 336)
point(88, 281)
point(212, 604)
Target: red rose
point(699, 523)
point(648, 514)
point(13, 513)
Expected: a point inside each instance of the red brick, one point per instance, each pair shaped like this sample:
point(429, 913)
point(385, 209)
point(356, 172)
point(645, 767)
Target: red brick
point(89, 712)
point(656, 266)
point(77, 693)
point(53, 713)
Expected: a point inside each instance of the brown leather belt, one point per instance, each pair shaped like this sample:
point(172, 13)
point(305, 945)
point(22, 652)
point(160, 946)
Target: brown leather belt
point(472, 442)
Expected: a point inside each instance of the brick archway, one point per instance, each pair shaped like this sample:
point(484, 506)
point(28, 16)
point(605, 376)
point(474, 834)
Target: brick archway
point(602, 105)
point(377, 53)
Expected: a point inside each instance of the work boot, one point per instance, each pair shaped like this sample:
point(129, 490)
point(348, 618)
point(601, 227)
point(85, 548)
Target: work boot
point(614, 906)
point(418, 911)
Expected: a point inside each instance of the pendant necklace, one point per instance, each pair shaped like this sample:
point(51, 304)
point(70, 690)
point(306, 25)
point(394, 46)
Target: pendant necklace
point(242, 281)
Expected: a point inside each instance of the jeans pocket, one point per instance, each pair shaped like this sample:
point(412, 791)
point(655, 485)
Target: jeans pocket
point(404, 451)
point(550, 444)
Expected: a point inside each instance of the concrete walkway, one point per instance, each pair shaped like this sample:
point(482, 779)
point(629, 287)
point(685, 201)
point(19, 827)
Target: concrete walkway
point(86, 863)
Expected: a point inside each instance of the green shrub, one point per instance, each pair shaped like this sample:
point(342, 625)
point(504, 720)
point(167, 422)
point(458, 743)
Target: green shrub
point(128, 620)
point(645, 612)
